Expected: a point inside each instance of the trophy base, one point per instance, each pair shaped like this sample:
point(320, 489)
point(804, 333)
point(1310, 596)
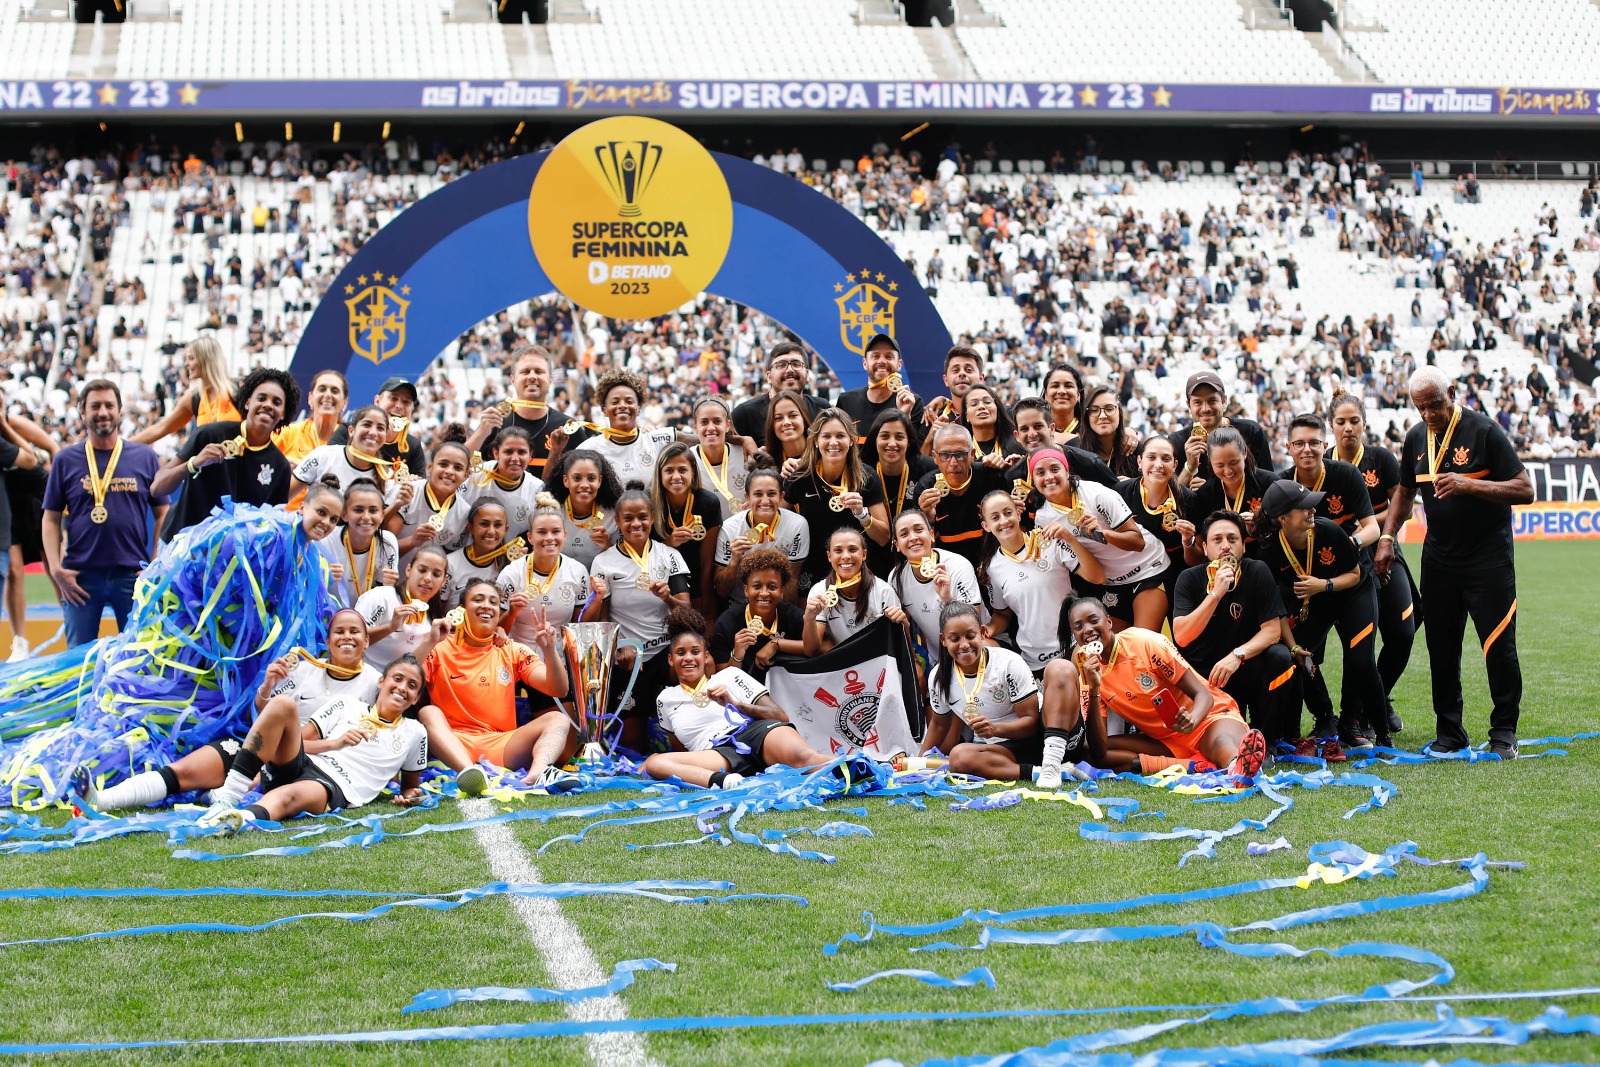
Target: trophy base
point(592, 752)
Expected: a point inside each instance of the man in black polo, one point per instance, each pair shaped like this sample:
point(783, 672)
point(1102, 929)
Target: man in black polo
point(963, 368)
point(787, 368)
point(398, 397)
point(885, 389)
point(1208, 400)
point(1470, 477)
point(527, 407)
point(953, 495)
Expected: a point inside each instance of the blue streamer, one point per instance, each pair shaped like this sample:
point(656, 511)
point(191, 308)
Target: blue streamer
point(621, 978)
point(977, 976)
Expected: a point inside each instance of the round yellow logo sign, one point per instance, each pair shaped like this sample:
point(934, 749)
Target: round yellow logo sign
point(630, 217)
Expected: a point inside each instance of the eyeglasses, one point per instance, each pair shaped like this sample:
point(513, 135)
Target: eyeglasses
point(1301, 446)
point(789, 364)
point(1103, 410)
point(954, 457)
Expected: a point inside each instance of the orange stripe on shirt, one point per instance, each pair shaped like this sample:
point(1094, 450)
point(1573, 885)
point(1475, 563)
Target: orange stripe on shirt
point(1498, 630)
point(1363, 635)
point(969, 535)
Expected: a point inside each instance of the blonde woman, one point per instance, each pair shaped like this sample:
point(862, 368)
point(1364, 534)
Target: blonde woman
point(208, 398)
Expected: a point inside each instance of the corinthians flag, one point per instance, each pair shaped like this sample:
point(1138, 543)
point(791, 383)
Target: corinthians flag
point(860, 695)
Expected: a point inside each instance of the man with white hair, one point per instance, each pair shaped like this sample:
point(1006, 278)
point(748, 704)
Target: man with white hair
point(1470, 476)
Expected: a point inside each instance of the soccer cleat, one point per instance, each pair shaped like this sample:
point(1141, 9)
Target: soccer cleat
point(226, 819)
point(1049, 776)
point(1506, 750)
point(82, 784)
point(1306, 747)
point(471, 781)
point(1252, 754)
point(1324, 728)
point(1332, 751)
point(19, 649)
point(731, 779)
point(1395, 725)
point(554, 780)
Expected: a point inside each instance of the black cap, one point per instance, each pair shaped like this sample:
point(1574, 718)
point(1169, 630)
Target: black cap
point(396, 384)
point(882, 337)
point(1204, 377)
point(1288, 495)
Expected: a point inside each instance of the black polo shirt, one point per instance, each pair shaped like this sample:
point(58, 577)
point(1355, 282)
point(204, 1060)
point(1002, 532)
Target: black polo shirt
point(1213, 497)
point(1332, 554)
point(808, 496)
point(1253, 600)
point(958, 521)
point(1380, 473)
point(750, 417)
point(1171, 540)
point(865, 412)
point(539, 429)
point(1255, 439)
point(261, 477)
point(1346, 501)
point(708, 506)
point(1464, 531)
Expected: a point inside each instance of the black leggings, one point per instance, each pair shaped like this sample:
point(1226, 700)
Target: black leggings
point(1398, 620)
point(1269, 686)
point(1353, 614)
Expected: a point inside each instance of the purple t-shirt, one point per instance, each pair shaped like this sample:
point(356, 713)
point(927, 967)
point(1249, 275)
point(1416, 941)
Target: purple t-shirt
point(123, 540)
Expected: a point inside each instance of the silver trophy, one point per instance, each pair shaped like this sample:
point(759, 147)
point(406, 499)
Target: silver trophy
point(591, 647)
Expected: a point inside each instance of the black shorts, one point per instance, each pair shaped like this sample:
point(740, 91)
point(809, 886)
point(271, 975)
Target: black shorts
point(753, 735)
point(1025, 750)
point(1119, 599)
point(301, 769)
point(227, 748)
point(25, 492)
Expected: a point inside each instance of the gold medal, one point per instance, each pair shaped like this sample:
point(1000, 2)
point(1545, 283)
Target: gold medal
point(436, 520)
point(1075, 514)
point(99, 515)
point(835, 504)
point(697, 529)
point(1199, 431)
point(1020, 490)
point(831, 599)
point(1169, 520)
point(572, 427)
point(233, 447)
point(1094, 648)
point(894, 383)
point(398, 423)
point(929, 566)
point(516, 550)
point(972, 708)
point(505, 407)
point(1305, 610)
point(455, 617)
point(701, 700)
point(642, 580)
point(940, 485)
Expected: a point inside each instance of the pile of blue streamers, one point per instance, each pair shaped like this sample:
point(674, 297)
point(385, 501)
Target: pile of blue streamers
point(219, 603)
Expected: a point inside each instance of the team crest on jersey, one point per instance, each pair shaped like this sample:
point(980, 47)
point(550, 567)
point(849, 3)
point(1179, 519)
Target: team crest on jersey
point(1236, 609)
point(567, 594)
point(1371, 478)
point(264, 476)
point(1325, 556)
point(504, 676)
point(1461, 456)
point(1146, 680)
point(1111, 600)
point(1336, 505)
point(1255, 504)
point(395, 744)
point(521, 514)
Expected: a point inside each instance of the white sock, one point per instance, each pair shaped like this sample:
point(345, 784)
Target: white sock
point(1055, 750)
point(144, 788)
point(232, 790)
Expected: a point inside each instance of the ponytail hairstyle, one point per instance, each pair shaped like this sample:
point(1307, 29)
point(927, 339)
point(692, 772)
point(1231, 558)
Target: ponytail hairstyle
point(327, 485)
point(635, 491)
point(362, 484)
point(686, 622)
point(944, 673)
point(868, 579)
point(451, 435)
point(406, 659)
point(990, 544)
point(1227, 435)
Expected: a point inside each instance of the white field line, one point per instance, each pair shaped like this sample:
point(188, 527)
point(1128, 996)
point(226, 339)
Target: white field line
point(567, 959)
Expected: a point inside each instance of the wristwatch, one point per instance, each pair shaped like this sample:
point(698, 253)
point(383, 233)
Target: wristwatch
point(1330, 585)
point(1240, 653)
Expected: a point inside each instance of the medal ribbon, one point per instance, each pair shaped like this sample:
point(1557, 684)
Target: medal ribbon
point(1170, 504)
point(99, 484)
point(491, 475)
point(688, 519)
point(621, 437)
point(971, 695)
point(905, 484)
point(479, 561)
point(372, 562)
point(848, 583)
point(400, 441)
point(441, 510)
point(343, 674)
point(718, 475)
point(844, 482)
point(542, 588)
point(752, 621)
point(384, 468)
point(1030, 549)
point(698, 690)
point(1305, 571)
point(597, 518)
point(640, 559)
point(1436, 457)
point(766, 531)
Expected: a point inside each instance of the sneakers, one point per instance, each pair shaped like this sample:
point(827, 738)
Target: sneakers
point(1252, 754)
point(1048, 776)
point(731, 779)
point(1332, 751)
point(19, 649)
point(554, 780)
point(1395, 725)
point(1328, 727)
point(226, 819)
point(82, 784)
point(1306, 748)
point(471, 781)
point(1506, 750)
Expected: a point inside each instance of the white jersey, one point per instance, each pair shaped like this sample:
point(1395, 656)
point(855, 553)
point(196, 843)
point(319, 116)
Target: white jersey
point(312, 687)
point(921, 600)
point(636, 460)
point(346, 589)
point(419, 511)
point(561, 599)
point(378, 607)
point(580, 540)
point(696, 728)
point(1007, 681)
point(459, 570)
point(1123, 566)
point(519, 502)
point(792, 538)
point(641, 614)
point(332, 459)
point(1034, 597)
point(841, 618)
point(732, 472)
point(363, 770)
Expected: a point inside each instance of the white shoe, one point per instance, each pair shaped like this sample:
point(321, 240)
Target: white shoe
point(731, 779)
point(19, 649)
point(471, 781)
point(1049, 776)
point(225, 818)
point(554, 780)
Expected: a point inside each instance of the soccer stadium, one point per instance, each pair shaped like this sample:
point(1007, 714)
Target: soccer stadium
point(634, 532)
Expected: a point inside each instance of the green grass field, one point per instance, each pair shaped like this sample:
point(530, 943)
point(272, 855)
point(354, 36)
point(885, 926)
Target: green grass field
point(1526, 932)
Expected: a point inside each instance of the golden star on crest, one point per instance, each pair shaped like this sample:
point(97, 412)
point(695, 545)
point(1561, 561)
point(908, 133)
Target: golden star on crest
point(349, 290)
point(189, 94)
point(393, 280)
point(894, 286)
point(838, 288)
point(1088, 95)
point(865, 274)
point(850, 278)
point(880, 275)
point(107, 93)
point(1163, 96)
point(361, 280)
point(405, 290)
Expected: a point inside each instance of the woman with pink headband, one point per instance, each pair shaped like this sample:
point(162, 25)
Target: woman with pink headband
point(1133, 560)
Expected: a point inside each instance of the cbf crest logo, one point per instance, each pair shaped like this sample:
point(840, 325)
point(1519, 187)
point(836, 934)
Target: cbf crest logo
point(377, 316)
point(866, 309)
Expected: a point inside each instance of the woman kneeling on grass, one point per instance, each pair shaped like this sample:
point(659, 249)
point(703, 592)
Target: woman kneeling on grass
point(1134, 674)
point(342, 757)
point(722, 748)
